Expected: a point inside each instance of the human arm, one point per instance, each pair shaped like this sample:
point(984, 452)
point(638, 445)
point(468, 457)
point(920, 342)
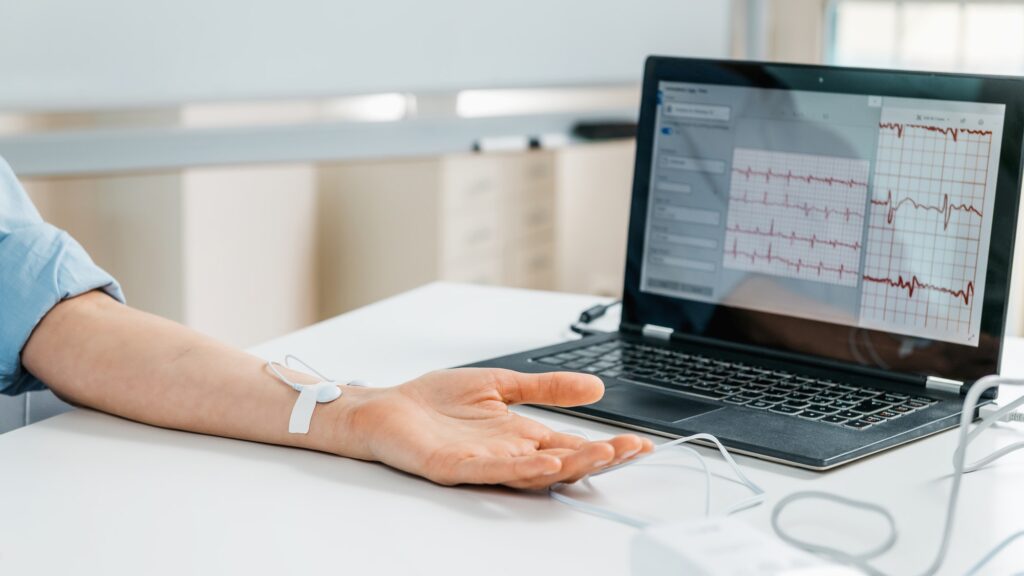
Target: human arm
point(451, 426)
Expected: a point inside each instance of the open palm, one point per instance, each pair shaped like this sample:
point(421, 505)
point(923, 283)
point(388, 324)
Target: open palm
point(454, 427)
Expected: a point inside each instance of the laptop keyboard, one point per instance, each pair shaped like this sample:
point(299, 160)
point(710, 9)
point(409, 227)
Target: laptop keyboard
point(740, 384)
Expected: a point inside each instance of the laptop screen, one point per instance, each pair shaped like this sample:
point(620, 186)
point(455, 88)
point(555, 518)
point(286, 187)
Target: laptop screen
point(868, 211)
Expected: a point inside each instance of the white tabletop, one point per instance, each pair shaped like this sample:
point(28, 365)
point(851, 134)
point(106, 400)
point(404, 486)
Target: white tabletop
point(89, 493)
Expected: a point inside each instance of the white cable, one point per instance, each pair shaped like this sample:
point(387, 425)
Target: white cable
point(859, 560)
point(960, 467)
point(611, 514)
point(288, 359)
point(326, 390)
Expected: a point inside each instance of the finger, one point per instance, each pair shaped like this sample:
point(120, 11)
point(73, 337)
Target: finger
point(626, 446)
point(590, 457)
point(623, 446)
point(502, 470)
point(648, 446)
point(575, 465)
point(551, 388)
point(562, 440)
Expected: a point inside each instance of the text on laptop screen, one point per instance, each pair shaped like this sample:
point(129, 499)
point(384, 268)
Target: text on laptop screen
point(866, 211)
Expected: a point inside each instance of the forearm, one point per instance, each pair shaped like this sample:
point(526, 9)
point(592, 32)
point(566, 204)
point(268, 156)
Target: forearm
point(450, 426)
point(95, 352)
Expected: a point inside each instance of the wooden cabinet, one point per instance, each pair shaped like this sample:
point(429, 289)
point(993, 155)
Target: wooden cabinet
point(389, 226)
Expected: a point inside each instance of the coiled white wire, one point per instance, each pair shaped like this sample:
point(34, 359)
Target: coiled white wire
point(860, 560)
point(960, 467)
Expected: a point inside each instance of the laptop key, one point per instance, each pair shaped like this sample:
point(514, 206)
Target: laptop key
point(888, 414)
point(867, 392)
point(783, 409)
point(554, 361)
point(873, 419)
point(810, 414)
point(833, 419)
point(737, 399)
point(857, 424)
point(902, 409)
point(712, 394)
point(759, 405)
point(870, 407)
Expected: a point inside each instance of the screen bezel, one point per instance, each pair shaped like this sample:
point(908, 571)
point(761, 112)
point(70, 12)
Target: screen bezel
point(642, 308)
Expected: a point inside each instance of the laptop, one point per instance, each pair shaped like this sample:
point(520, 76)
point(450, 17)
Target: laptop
point(818, 258)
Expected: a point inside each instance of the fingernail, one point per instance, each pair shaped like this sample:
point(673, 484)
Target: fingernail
point(600, 463)
point(630, 454)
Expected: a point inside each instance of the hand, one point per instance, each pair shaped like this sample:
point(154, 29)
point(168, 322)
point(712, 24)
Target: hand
point(454, 427)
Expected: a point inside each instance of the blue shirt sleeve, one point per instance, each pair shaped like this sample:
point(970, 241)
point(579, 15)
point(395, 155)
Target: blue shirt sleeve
point(40, 266)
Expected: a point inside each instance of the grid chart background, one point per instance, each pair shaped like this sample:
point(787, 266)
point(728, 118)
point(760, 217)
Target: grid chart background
point(796, 215)
point(924, 229)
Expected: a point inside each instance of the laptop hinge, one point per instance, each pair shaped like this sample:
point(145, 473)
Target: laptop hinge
point(657, 332)
point(944, 385)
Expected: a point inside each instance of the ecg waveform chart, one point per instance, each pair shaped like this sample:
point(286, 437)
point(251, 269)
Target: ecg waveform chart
point(925, 230)
point(796, 215)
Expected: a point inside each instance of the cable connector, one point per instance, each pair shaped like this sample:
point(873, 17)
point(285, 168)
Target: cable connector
point(991, 408)
point(588, 316)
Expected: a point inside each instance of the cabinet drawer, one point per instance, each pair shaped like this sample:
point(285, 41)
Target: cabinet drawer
point(533, 266)
point(532, 215)
point(470, 182)
point(467, 232)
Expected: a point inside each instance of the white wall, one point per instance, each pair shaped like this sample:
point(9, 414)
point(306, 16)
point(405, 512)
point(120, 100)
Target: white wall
point(69, 54)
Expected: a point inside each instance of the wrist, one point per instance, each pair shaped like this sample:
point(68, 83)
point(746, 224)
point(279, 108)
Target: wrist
point(340, 429)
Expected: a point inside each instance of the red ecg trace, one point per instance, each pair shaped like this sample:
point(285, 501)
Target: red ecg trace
point(806, 207)
point(946, 209)
point(789, 176)
point(799, 264)
point(914, 284)
point(950, 131)
point(812, 240)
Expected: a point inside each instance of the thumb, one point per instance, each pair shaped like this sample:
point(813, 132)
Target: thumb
point(551, 388)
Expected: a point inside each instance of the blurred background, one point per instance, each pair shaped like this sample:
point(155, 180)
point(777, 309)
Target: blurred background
point(251, 167)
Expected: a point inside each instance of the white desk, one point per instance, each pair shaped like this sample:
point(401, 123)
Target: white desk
point(89, 493)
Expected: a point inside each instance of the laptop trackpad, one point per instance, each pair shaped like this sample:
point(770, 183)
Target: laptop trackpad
point(643, 404)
